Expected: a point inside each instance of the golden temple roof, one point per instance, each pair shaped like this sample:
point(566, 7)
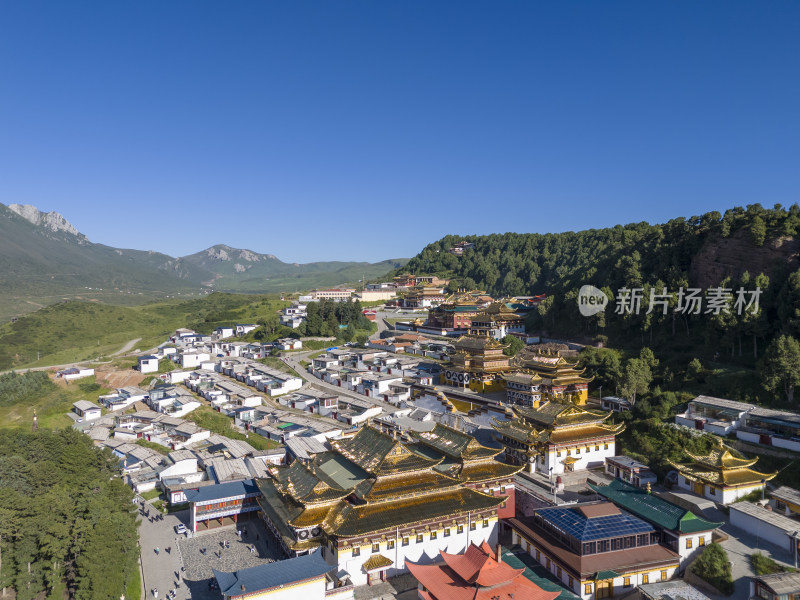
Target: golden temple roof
point(551, 414)
point(721, 458)
point(349, 520)
point(454, 443)
point(720, 467)
point(477, 342)
point(379, 453)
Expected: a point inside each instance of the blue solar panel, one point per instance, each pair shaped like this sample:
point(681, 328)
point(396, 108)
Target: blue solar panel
point(575, 524)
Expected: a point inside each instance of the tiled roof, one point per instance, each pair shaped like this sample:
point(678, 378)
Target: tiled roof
point(272, 575)
point(352, 520)
point(653, 509)
point(223, 490)
point(475, 575)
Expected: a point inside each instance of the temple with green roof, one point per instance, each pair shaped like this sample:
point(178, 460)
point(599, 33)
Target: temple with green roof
point(374, 500)
point(720, 476)
point(681, 530)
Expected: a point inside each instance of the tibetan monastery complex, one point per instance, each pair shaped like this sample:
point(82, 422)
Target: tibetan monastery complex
point(554, 438)
point(374, 501)
point(528, 378)
point(720, 476)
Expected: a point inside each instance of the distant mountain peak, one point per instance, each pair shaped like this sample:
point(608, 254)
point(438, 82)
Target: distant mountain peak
point(52, 220)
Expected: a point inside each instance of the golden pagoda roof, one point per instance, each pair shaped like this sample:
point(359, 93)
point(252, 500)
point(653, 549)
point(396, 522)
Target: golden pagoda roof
point(407, 484)
point(305, 484)
point(477, 342)
point(741, 476)
point(720, 467)
point(454, 443)
point(487, 470)
point(721, 458)
point(523, 377)
point(349, 520)
point(519, 431)
point(376, 561)
point(379, 453)
point(552, 414)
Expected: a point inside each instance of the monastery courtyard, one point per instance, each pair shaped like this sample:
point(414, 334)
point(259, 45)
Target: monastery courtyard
point(237, 556)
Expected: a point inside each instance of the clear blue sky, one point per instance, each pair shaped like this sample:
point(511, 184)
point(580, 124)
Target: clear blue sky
point(364, 130)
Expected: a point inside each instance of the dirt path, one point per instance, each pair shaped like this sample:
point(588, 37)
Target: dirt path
point(126, 347)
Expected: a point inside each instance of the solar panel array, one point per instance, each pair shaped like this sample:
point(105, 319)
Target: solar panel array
point(576, 525)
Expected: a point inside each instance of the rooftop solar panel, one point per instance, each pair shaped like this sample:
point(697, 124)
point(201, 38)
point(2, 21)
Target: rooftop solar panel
point(575, 524)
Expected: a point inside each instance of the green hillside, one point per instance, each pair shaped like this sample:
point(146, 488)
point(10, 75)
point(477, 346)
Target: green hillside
point(745, 248)
point(235, 269)
point(73, 331)
point(40, 266)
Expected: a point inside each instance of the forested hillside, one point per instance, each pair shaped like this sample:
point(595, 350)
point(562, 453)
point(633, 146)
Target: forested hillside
point(67, 524)
point(746, 247)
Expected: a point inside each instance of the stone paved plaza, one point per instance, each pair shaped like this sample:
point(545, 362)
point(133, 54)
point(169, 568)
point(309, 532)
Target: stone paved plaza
point(238, 556)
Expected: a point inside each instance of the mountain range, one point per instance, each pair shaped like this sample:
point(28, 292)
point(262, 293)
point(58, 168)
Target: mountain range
point(44, 259)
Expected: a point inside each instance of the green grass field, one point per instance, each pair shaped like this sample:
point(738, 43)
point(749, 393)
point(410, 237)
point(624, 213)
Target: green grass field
point(81, 331)
point(52, 406)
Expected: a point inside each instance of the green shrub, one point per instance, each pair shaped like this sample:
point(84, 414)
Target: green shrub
point(713, 567)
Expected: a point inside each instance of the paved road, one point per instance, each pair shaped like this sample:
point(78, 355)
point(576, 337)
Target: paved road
point(160, 569)
point(293, 360)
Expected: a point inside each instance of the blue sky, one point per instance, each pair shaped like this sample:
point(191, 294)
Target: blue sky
point(364, 130)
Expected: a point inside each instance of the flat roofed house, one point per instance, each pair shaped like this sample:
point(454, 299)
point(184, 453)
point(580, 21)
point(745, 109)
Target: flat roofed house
point(786, 500)
point(595, 550)
point(222, 504)
point(776, 586)
point(779, 428)
point(88, 410)
point(631, 471)
point(148, 364)
point(715, 415)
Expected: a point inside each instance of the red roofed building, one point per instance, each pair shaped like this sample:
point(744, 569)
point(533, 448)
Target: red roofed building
point(475, 575)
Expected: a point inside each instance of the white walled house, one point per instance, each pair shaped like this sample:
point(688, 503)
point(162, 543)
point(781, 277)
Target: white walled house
point(191, 360)
point(89, 411)
point(714, 415)
point(75, 373)
point(148, 364)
